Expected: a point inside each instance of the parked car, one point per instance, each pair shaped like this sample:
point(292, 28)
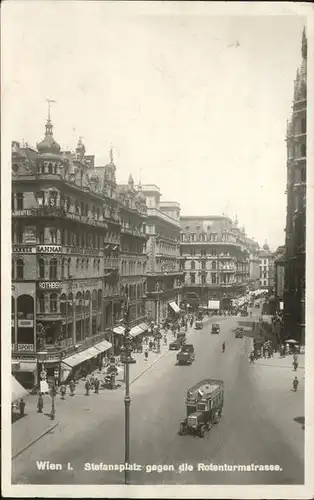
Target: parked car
point(215, 328)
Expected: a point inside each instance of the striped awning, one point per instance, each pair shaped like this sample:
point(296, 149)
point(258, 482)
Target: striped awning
point(18, 390)
point(103, 346)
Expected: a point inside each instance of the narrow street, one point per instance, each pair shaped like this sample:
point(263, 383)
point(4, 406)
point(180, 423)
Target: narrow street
point(246, 434)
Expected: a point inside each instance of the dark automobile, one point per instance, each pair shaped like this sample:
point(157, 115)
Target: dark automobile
point(244, 313)
point(175, 345)
point(215, 328)
point(239, 333)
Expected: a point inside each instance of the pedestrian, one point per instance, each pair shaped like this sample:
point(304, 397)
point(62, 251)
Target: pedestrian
point(72, 387)
point(150, 345)
point(87, 387)
point(96, 384)
point(40, 403)
point(146, 354)
point(295, 384)
point(62, 391)
point(91, 381)
point(295, 365)
point(252, 358)
point(22, 407)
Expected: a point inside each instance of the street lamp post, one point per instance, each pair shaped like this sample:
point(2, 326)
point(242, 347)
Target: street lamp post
point(127, 359)
point(53, 408)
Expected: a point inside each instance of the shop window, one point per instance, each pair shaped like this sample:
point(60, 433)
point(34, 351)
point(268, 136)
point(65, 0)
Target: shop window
point(53, 302)
point(41, 266)
point(53, 269)
point(20, 269)
point(41, 301)
point(53, 235)
point(19, 201)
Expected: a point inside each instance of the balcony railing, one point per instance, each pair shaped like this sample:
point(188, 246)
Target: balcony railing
point(60, 212)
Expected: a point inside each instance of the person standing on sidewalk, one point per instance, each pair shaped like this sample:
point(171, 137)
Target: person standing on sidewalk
point(87, 387)
point(295, 365)
point(72, 387)
point(146, 354)
point(96, 385)
point(40, 403)
point(295, 384)
point(22, 407)
point(62, 391)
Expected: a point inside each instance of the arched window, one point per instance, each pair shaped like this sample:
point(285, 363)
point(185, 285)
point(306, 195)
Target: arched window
point(12, 269)
point(63, 304)
point(87, 301)
point(78, 303)
point(99, 299)
point(70, 303)
point(41, 302)
point(41, 266)
point(53, 302)
point(20, 269)
point(62, 269)
point(53, 269)
point(69, 267)
point(94, 300)
point(50, 168)
point(214, 264)
point(192, 265)
point(138, 295)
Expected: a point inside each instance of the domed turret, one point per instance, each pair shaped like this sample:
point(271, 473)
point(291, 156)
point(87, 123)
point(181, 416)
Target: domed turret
point(94, 177)
point(48, 144)
point(266, 247)
point(131, 182)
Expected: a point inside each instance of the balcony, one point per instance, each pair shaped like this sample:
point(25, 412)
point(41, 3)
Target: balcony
point(133, 232)
point(54, 211)
point(154, 212)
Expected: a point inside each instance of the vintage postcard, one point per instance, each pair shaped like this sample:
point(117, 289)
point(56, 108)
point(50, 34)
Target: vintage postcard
point(156, 205)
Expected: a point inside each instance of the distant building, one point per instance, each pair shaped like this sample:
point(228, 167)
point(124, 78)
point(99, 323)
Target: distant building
point(214, 257)
point(266, 265)
point(164, 278)
point(294, 293)
point(254, 263)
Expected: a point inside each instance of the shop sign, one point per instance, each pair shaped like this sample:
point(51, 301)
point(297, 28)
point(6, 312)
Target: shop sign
point(21, 213)
point(19, 249)
point(49, 249)
point(25, 323)
point(25, 347)
point(50, 285)
point(73, 216)
point(30, 234)
point(82, 283)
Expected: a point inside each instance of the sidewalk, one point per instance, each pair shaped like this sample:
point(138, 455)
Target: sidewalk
point(80, 408)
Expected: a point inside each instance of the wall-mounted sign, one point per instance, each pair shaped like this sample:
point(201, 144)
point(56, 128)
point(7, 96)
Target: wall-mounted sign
point(18, 249)
point(281, 306)
point(49, 248)
point(84, 283)
point(25, 347)
point(25, 323)
point(21, 213)
point(50, 285)
point(30, 234)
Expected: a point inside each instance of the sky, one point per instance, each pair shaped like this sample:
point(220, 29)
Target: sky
point(191, 100)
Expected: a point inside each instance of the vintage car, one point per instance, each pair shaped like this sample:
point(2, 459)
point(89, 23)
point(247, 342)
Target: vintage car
point(244, 313)
point(186, 356)
point(178, 342)
point(239, 333)
point(215, 328)
point(204, 405)
point(198, 324)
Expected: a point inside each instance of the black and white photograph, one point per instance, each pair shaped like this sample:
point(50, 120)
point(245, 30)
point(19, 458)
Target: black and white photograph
point(155, 277)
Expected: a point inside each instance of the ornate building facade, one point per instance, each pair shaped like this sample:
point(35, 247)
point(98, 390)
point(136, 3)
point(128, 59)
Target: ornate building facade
point(214, 257)
point(294, 291)
point(267, 269)
point(164, 278)
point(69, 222)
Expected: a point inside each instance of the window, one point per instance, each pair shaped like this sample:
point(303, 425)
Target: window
point(20, 269)
point(53, 269)
point(192, 236)
point(192, 278)
point(69, 268)
point(303, 175)
point(53, 302)
point(19, 201)
point(303, 150)
point(203, 265)
point(62, 269)
point(77, 263)
point(303, 126)
point(63, 304)
point(41, 300)
point(193, 265)
point(214, 265)
point(12, 269)
point(203, 280)
point(50, 168)
point(41, 236)
point(70, 303)
point(53, 235)
point(214, 278)
point(41, 266)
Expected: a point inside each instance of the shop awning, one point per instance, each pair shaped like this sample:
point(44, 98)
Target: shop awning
point(24, 366)
point(174, 307)
point(18, 390)
point(103, 346)
point(80, 357)
point(65, 373)
point(119, 330)
point(138, 329)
